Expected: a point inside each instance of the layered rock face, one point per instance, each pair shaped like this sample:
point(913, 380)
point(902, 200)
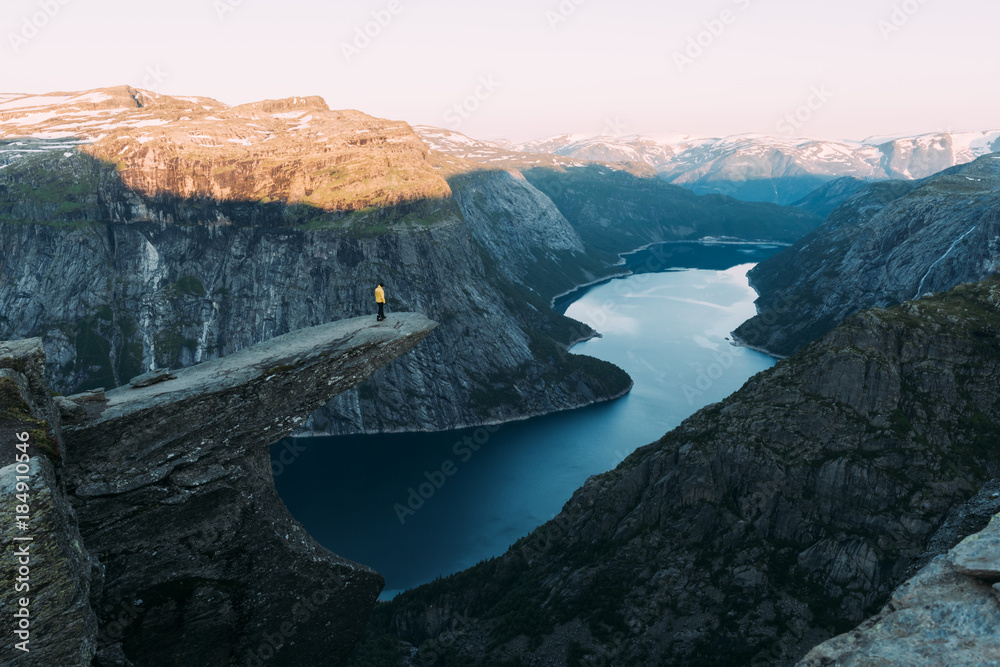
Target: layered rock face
point(763, 524)
point(44, 560)
point(116, 301)
point(153, 534)
point(529, 240)
point(888, 243)
point(514, 221)
point(173, 487)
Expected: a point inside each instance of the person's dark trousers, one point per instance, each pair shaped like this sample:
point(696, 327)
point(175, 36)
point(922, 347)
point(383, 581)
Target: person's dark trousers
point(381, 311)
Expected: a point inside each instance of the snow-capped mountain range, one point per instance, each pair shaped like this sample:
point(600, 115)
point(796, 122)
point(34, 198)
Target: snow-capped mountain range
point(500, 154)
point(753, 167)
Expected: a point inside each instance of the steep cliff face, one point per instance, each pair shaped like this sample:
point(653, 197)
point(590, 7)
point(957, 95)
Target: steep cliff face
point(186, 230)
point(890, 242)
point(512, 220)
point(47, 573)
point(153, 533)
point(173, 487)
point(527, 236)
point(763, 524)
point(113, 301)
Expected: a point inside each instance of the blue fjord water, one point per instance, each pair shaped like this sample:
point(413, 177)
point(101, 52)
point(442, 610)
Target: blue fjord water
point(423, 505)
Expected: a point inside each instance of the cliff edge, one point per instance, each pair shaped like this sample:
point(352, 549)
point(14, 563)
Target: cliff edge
point(171, 487)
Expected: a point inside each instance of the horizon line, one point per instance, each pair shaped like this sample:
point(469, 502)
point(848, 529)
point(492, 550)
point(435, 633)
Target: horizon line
point(664, 138)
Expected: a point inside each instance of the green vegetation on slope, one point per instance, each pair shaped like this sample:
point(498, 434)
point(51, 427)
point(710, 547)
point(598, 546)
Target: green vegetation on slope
point(51, 187)
point(617, 211)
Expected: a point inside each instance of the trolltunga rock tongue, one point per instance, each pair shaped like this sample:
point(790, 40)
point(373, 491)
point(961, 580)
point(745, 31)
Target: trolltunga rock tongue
point(175, 494)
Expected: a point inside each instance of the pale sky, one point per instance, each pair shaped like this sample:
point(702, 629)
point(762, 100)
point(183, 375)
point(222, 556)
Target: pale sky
point(524, 69)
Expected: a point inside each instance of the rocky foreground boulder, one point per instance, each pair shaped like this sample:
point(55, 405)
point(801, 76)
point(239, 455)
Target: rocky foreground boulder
point(948, 614)
point(161, 538)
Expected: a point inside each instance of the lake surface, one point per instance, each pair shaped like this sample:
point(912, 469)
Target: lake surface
point(419, 506)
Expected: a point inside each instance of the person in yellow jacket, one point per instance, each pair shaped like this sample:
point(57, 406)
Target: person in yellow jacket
point(380, 300)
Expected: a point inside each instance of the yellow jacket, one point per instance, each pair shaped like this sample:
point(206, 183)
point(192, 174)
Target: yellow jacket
point(379, 295)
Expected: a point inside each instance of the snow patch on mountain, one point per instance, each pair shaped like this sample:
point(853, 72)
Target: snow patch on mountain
point(752, 166)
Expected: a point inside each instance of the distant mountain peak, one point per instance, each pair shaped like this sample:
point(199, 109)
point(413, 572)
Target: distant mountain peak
point(780, 169)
